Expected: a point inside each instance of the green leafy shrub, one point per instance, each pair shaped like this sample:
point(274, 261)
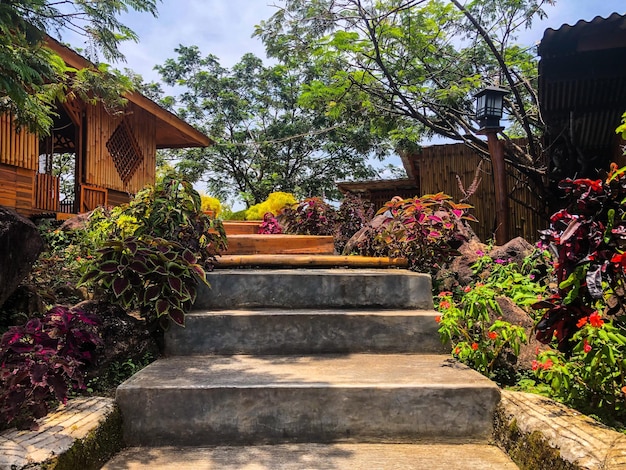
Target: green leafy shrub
point(157, 276)
point(172, 210)
point(479, 338)
point(312, 216)
point(42, 360)
point(592, 378)
point(424, 230)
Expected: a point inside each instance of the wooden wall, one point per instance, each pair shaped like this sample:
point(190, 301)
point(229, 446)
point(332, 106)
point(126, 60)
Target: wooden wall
point(437, 167)
point(99, 167)
point(19, 149)
point(17, 188)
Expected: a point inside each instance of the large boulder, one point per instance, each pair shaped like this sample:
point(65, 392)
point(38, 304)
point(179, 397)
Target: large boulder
point(20, 246)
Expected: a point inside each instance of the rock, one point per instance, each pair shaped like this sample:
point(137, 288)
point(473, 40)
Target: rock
point(518, 316)
point(77, 222)
point(20, 246)
point(513, 251)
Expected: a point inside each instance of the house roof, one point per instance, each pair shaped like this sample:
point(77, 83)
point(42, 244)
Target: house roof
point(582, 82)
point(171, 131)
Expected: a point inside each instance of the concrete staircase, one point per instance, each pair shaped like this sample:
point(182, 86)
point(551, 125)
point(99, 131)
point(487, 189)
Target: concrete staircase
point(309, 368)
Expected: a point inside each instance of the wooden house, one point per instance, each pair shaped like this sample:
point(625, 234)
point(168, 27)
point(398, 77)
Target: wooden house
point(107, 157)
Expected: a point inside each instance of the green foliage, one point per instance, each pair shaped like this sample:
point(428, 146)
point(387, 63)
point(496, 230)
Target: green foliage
point(156, 276)
point(473, 328)
point(410, 69)
point(621, 129)
point(172, 210)
point(274, 204)
point(592, 378)
point(156, 252)
point(424, 230)
point(33, 78)
point(116, 374)
point(266, 141)
point(312, 216)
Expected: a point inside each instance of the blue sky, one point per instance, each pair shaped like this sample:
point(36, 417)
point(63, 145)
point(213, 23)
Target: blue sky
point(224, 28)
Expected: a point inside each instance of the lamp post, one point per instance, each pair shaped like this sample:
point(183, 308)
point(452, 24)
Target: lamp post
point(489, 104)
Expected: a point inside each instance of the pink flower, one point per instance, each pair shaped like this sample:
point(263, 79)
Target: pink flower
point(586, 346)
point(480, 253)
point(500, 261)
point(466, 289)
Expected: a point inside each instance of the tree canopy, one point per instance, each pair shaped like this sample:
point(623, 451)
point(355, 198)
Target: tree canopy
point(417, 64)
point(32, 77)
point(266, 140)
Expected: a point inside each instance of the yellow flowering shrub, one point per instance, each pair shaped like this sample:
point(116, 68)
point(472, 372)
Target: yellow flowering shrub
point(210, 203)
point(274, 203)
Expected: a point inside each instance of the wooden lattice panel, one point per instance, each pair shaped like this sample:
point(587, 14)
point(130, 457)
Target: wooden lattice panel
point(125, 151)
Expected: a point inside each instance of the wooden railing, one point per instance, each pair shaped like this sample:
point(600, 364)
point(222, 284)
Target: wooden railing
point(47, 192)
point(92, 197)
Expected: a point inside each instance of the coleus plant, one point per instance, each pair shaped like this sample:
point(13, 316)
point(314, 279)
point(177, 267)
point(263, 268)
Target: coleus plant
point(156, 276)
point(42, 360)
point(311, 216)
point(270, 225)
point(425, 230)
point(588, 240)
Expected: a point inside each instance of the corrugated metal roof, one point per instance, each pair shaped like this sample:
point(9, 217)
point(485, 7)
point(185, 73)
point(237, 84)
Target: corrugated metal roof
point(582, 89)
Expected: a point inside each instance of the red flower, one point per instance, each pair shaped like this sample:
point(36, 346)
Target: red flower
point(546, 365)
point(624, 390)
point(586, 346)
point(582, 322)
point(474, 346)
point(445, 294)
point(466, 289)
point(595, 320)
point(457, 350)
point(438, 318)
point(493, 335)
point(444, 304)
point(535, 364)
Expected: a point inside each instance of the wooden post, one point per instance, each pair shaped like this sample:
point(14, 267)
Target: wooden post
point(496, 151)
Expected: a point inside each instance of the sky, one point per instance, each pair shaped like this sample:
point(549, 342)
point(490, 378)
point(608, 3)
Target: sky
point(224, 28)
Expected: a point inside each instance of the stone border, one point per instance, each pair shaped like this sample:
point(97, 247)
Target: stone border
point(539, 433)
point(83, 434)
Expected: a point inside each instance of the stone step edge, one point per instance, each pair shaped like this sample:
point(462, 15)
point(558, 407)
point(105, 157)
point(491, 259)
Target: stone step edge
point(84, 433)
point(408, 312)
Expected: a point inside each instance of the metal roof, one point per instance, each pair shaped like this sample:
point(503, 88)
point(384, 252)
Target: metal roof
point(582, 89)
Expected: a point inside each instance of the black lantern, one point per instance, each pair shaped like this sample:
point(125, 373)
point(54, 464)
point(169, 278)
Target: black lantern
point(489, 107)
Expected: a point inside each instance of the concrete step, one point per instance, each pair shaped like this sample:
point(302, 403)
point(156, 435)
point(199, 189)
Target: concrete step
point(236, 400)
point(317, 456)
point(287, 331)
point(315, 288)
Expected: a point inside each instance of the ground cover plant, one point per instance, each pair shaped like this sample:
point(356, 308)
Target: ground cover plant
point(42, 361)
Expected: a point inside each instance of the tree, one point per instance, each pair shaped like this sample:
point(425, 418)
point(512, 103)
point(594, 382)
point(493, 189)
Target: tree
point(266, 140)
point(418, 64)
point(32, 77)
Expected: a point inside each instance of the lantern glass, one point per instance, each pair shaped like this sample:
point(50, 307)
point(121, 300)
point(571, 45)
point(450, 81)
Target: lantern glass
point(489, 104)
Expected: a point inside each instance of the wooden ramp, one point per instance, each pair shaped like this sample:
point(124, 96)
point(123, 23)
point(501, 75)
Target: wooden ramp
point(279, 244)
